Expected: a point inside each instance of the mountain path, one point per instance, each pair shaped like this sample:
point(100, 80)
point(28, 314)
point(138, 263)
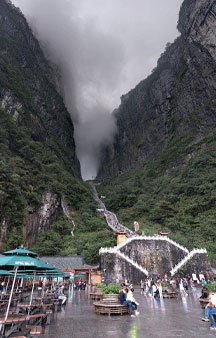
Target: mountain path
point(111, 218)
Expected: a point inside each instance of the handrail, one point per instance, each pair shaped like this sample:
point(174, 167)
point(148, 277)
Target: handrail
point(155, 238)
point(129, 260)
point(185, 259)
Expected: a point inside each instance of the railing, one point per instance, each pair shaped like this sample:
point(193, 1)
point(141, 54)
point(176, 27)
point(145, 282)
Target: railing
point(186, 259)
point(154, 238)
point(123, 256)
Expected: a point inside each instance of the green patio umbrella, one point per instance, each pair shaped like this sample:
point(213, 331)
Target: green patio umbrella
point(80, 274)
point(22, 259)
point(24, 263)
point(30, 274)
point(4, 272)
point(21, 251)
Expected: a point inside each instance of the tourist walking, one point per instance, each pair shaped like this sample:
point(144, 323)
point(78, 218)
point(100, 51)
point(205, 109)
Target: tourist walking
point(160, 289)
point(182, 289)
point(142, 286)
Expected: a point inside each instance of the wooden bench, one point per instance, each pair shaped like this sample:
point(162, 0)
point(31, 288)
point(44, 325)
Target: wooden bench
point(110, 308)
point(203, 302)
point(96, 295)
point(49, 314)
point(57, 305)
point(169, 294)
point(35, 330)
point(110, 305)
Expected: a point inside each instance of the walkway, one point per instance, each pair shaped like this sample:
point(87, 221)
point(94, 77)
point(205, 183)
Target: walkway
point(111, 218)
point(168, 318)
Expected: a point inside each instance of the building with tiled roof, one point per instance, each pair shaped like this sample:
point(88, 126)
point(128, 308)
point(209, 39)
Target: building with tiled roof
point(72, 264)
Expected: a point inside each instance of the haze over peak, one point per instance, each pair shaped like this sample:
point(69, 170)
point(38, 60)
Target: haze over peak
point(102, 49)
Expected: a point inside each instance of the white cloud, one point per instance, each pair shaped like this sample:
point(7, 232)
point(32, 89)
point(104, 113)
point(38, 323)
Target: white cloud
point(103, 48)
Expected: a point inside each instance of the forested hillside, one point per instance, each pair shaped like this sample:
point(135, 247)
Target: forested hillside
point(163, 156)
point(42, 195)
point(180, 200)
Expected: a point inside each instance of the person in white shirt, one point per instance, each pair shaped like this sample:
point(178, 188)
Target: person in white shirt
point(130, 298)
point(210, 311)
point(62, 295)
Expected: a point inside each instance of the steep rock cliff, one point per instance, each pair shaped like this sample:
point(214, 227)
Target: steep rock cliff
point(27, 87)
point(176, 104)
point(37, 150)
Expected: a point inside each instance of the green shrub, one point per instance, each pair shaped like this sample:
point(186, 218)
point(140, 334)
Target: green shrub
point(212, 287)
point(112, 289)
point(164, 284)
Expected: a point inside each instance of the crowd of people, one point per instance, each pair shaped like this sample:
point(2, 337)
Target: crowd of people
point(79, 285)
point(154, 284)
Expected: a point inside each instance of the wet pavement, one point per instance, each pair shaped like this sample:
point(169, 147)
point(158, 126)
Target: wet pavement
point(171, 318)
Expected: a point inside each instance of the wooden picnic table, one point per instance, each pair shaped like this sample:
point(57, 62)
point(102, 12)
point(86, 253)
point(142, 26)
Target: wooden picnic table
point(17, 322)
point(34, 307)
point(42, 299)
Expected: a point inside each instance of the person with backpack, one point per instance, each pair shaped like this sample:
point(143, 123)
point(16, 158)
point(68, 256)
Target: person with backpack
point(185, 284)
point(56, 293)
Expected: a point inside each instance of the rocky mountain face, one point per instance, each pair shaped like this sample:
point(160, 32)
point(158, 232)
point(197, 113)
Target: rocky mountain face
point(44, 204)
point(175, 107)
point(27, 87)
point(36, 136)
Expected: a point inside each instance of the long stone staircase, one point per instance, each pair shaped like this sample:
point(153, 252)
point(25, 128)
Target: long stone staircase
point(114, 224)
point(111, 218)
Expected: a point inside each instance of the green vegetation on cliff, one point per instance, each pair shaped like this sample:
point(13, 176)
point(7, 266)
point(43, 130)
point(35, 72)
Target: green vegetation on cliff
point(26, 171)
point(180, 200)
point(37, 154)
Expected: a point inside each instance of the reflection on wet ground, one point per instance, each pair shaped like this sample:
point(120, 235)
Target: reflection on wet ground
point(170, 318)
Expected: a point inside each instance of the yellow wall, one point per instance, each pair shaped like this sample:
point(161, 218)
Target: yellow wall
point(95, 278)
point(121, 238)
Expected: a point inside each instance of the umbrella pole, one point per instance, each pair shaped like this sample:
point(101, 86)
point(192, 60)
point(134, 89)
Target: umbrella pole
point(31, 293)
point(11, 294)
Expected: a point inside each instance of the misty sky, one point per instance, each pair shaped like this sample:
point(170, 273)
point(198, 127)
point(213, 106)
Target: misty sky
point(103, 48)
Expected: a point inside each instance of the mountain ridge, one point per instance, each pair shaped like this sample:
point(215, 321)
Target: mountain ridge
point(161, 168)
point(171, 103)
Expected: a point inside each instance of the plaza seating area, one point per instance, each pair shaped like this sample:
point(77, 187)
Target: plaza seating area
point(27, 297)
point(25, 319)
point(110, 304)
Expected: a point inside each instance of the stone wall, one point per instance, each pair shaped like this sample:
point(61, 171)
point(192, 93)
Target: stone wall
point(154, 255)
point(115, 269)
point(198, 264)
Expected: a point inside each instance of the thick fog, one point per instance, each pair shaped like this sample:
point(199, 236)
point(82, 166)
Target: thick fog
point(102, 48)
